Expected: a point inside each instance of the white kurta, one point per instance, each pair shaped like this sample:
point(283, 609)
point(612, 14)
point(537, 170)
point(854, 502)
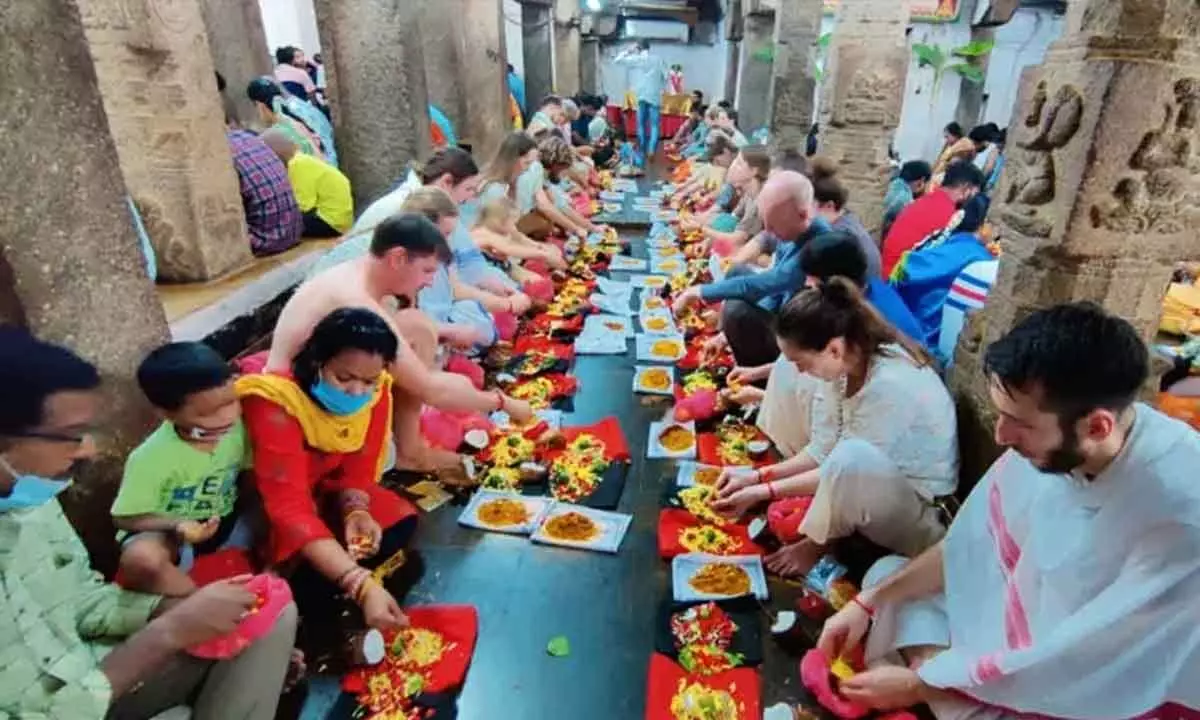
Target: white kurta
point(1078, 598)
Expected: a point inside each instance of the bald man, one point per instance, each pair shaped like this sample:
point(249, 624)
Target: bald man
point(785, 206)
point(322, 191)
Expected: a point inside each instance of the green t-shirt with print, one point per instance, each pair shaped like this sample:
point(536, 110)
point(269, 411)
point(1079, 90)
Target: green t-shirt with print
point(167, 476)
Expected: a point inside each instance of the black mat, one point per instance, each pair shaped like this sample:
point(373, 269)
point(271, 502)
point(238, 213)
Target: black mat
point(607, 494)
point(745, 613)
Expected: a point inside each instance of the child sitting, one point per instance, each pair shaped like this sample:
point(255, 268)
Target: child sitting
point(496, 234)
point(179, 491)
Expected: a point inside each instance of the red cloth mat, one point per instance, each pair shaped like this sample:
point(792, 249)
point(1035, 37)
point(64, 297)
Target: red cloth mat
point(462, 365)
point(506, 325)
point(608, 431)
point(744, 684)
point(539, 289)
point(784, 517)
point(221, 565)
point(459, 627)
point(673, 521)
point(445, 429)
point(563, 385)
point(546, 323)
point(706, 451)
point(530, 343)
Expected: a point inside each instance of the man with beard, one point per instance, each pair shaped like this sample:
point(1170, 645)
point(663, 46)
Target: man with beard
point(1067, 585)
point(931, 212)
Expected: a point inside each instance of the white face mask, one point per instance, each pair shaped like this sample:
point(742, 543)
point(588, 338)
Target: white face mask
point(29, 491)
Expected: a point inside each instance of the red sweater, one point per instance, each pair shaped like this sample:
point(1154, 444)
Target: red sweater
point(927, 214)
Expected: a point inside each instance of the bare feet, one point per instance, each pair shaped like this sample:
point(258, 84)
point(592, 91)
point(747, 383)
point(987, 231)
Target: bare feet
point(795, 560)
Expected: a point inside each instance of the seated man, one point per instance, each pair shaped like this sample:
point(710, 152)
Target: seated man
point(322, 191)
point(1066, 587)
point(272, 216)
point(179, 494)
point(833, 254)
point(968, 294)
point(751, 300)
point(75, 646)
point(906, 187)
point(404, 256)
point(931, 213)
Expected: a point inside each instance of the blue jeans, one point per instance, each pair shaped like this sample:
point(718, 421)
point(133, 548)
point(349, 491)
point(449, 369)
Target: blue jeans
point(647, 114)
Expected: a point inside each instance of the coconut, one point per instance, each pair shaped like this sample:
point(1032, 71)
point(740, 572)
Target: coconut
point(757, 528)
point(758, 447)
point(779, 711)
point(784, 623)
point(476, 438)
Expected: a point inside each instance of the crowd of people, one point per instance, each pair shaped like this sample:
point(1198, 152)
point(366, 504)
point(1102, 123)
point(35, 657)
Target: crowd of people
point(1070, 567)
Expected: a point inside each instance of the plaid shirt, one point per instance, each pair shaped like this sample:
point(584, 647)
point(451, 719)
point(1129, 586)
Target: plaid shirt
point(271, 213)
point(58, 619)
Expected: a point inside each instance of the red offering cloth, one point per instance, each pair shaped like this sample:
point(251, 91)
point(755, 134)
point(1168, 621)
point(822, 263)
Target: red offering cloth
point(743, 684)
point(784, 517)
point(563, 385)
point(530, 343)
point(459, 627)
point(274, 595)
point(706, 451)
point(295, 481)
point(468, 368)
point(548, 323)
point(814, 673)
point(221, 565)
point(608, 431)
point(673, 521)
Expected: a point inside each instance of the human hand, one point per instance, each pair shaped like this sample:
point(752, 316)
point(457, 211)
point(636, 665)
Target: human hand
point(555, 259)
point(194, 532)
point(362, 534)
point(740, 375)
point(715, 345)
point(212, 611)
point(462, 337)
point(380, 609)
point(844, 631)
point(734, 479)
point(738, 502)
point(519, 303)
point(745, 395)
point(686, 299)
point(888, 687)
point(518, 410)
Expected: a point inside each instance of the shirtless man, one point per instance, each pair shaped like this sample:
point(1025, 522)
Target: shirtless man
point(1067, 584)
point(403, 258)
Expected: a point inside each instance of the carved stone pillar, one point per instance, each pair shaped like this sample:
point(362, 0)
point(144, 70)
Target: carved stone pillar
point(238, 46)
point(793, 82)
point(156, 78)
point(537, 32)
point(376, 77)
point(755, 76)
point(566, 48)
point(863, 95)
point(70, 265)
point(589, 66)
point(1097, 199)
point(465, 69)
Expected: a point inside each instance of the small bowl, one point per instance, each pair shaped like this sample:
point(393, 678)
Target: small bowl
point(758, 448)
point(532, 472)
point(477, 439)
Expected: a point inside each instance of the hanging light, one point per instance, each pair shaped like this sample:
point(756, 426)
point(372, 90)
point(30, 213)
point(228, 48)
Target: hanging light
point(594, 5)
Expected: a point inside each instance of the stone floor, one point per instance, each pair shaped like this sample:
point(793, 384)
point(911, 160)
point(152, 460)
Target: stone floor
point(526, 594)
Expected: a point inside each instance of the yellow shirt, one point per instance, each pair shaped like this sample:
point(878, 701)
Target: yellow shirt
point(320, 186)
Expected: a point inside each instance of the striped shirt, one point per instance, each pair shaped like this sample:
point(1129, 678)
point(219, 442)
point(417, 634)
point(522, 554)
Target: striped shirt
point(968, 293)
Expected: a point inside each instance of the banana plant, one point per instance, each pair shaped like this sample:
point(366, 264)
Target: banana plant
point(964, 65)
point(820, 52)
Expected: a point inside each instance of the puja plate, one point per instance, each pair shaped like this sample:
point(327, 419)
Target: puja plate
point(639, 384)
point(535, 507)
point(624, 262)
point(684, 567)
point(689, 471)
point(644, 343)
point(648, 281)
point(613, 527)
point(654, 446)
point(604, 324)
point(658, 322)
point(613, 304)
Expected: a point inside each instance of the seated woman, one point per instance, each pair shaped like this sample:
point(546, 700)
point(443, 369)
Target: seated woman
point(461, 312)
point(496, 235)
point(318, 435)
point(517, 155)
point(707, 177)
point(883, 438)
point(547, 181)
point(831, 196)
point(696, 148)
point(746, 176)
point(303, 123)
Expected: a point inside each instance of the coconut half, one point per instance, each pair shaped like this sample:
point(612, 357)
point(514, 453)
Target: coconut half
point(505, 378)
point(779, 711)
point(757, 528)
point(531, 472)
point(373, 648)
point(757, 447)
point(784, 622)
point(476, 438)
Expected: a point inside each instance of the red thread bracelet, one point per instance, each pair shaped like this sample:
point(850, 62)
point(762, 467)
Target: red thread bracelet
point(870, 611)
point(764, 475)
point(771, 492)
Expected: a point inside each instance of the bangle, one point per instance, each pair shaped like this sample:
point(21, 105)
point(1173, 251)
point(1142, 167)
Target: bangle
point(352, 579)
point(870, 611)
point(341, 579)
point(362, 590)
point(354, 500)
point(356, 511)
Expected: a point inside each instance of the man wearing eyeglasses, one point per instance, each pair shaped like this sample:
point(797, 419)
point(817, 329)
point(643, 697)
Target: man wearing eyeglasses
point(75, 646)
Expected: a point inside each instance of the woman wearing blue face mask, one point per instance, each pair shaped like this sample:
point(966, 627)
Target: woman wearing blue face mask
point(318, 437)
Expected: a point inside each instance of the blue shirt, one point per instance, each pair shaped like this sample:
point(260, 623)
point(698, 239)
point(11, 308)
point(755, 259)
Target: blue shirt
point(887, 301)
point(651, 79)
point(926, 275)
point(516, 86)
point(771, 288)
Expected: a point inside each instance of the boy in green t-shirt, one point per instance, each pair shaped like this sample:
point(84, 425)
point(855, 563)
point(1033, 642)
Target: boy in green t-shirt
point(179, 490)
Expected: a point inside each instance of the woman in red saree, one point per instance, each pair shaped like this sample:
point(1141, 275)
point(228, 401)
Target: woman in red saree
point(318, 438)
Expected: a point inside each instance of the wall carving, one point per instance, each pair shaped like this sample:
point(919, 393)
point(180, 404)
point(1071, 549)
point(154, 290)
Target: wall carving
point(1048, 126)
point(1161, 196)
point(871, 98)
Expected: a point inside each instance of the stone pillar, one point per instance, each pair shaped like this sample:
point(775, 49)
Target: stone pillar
point(71, 257)
point(538, 33)
point(465, 69)
point(376, 77)
point(566, 47)
point(793, 82)
point(238, 46)
point(589, 66)
point(757, 62)
point(156, 78)
point(1096, 200)
point(862, 98)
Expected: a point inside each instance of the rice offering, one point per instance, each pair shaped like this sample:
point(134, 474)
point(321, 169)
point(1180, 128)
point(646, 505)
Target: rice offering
point(503, 512)
point(665, 348)
point(697, 701)
point(697, 381)
point(657, 324)
point(572, 527)
point(724, 579)
point(501, 478)
point(708, 539)
point(656, 379)
point(578, 470)
point(536, 392)
point(698, 501)
point(676, 439)
point(707, 476)
point(512, 450)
